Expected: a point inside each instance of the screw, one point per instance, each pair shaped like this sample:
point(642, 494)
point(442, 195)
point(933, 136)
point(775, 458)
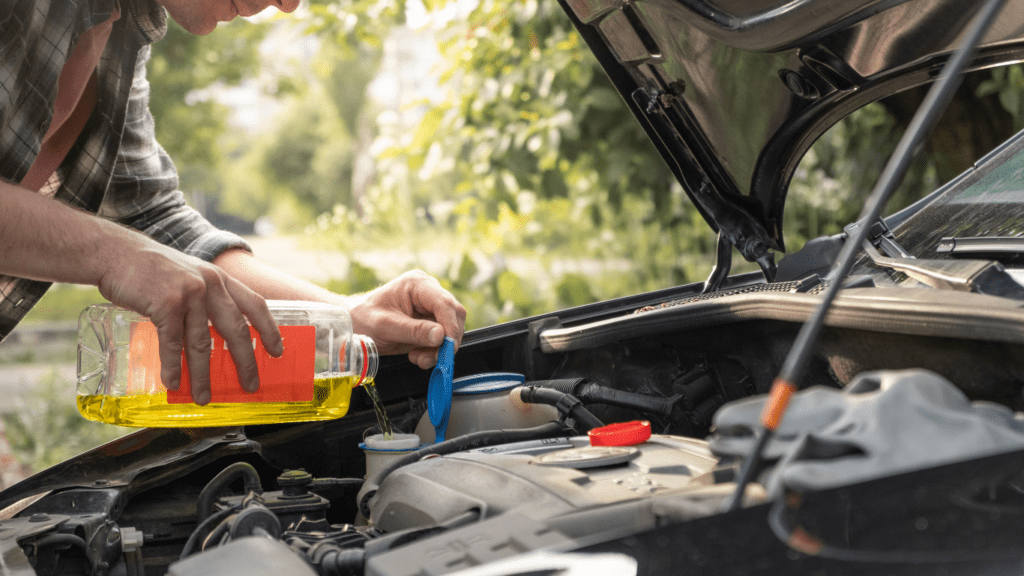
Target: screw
point(232, 436)
point(101, 482)
point(39, 518)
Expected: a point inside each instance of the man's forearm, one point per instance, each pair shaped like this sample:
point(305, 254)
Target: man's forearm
point(274, 284)
point(410, 314)
point(43, 239)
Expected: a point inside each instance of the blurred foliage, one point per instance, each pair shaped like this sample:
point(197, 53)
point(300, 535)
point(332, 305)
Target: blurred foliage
point(526, 186)
point(525, 175)
point(542, 188)
point(63, 303)
point(1008, 83)
point(181, 63)
point(300, 162)
point(47, 428)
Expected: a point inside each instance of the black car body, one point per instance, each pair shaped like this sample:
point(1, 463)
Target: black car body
point(733, 94)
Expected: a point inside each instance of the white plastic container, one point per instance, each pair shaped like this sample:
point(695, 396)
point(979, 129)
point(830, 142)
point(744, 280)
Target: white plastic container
point(487, 402)
point(119, 371)
point(380, 452)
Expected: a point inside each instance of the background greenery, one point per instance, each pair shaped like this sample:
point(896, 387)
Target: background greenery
point(524, 184)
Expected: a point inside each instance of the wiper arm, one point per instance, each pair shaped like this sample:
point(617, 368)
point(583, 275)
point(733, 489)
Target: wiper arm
point(996, 246)
point(880, 237)
point(980, 276)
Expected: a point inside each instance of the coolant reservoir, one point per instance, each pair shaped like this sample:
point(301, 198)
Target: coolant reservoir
point(485, 402)
point(119, 371)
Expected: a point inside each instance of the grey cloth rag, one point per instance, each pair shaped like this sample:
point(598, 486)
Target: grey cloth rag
point(881, 424)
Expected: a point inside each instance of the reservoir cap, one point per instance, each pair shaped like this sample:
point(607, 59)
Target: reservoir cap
point(488, 382)
point(439, 391)
point(621, 434)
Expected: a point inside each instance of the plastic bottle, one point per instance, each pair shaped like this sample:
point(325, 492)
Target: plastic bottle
point(119, 371)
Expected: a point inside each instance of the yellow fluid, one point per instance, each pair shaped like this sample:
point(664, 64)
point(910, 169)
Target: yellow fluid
point(383, 422)
point(330, 400)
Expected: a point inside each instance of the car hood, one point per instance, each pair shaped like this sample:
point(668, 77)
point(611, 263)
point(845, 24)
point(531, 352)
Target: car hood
point(734, 92)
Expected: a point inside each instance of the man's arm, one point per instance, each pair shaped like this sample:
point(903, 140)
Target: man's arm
point(43, 239)
point(411, 314)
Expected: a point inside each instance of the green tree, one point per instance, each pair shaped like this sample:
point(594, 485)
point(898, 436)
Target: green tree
point(190, 128)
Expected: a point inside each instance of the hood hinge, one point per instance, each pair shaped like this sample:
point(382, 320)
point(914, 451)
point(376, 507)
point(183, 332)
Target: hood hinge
point(737, 226)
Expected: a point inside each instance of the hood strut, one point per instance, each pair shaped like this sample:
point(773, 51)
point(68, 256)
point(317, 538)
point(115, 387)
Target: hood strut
point(665, 113)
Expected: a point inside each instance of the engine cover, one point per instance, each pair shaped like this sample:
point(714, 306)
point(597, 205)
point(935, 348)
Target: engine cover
point(538, 479)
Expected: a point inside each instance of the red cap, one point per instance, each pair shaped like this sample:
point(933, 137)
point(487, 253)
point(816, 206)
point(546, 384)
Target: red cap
point(621, 434)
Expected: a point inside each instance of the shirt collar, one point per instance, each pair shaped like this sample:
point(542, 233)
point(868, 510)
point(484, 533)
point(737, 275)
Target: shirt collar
point(149, 16)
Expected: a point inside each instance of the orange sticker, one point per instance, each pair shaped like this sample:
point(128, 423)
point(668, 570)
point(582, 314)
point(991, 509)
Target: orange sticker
point(285, 379)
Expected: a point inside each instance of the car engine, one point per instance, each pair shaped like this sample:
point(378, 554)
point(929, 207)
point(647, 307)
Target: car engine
point(296, 498)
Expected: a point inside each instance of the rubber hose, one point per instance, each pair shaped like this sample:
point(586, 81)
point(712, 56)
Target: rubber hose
point(203, 526)
point(458, 444)
point(217, 533)
point(66, 539)
point(321, 484)
point(331, 560)
point(221, 481)
point(595, 393)
point(566, 404)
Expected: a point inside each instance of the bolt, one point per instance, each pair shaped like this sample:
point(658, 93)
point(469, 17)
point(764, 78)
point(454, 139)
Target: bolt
point(101, 482)
point(232, 436)
point(798, 85)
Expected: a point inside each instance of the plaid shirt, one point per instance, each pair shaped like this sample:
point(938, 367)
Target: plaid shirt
point(115, 169)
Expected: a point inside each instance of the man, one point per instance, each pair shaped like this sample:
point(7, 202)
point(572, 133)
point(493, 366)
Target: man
point(87, 196)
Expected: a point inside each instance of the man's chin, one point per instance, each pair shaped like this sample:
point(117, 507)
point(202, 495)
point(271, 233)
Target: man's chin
point(200, 28)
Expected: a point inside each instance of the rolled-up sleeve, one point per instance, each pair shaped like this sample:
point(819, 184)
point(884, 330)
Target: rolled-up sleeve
point(143, 191)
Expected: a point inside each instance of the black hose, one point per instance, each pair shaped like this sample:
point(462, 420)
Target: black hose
point(595, 393)
point(324, 484)
point(221, 481)
point(567, 404)
point(200, 530)
point(464, 442)
point(66, 539)
point(217, 533)
point(332, 560)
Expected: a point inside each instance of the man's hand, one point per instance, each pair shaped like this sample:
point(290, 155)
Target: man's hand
point(181, 294)
point(411, 313)
point(47, 240)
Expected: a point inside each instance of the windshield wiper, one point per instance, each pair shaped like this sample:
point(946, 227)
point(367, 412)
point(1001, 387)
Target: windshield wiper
point(995, 246)
point(979, 276)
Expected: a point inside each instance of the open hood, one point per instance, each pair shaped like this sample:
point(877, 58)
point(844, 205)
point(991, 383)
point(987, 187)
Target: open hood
point(734, 92)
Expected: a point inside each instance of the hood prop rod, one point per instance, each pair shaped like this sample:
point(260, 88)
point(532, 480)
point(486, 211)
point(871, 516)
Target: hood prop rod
point(921, 126)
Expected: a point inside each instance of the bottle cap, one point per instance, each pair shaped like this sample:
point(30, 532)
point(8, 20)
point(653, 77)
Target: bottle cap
point(439, 391)
point(621, 434)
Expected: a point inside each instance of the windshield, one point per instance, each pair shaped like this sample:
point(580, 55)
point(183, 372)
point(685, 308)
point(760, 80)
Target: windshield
point(987, 201)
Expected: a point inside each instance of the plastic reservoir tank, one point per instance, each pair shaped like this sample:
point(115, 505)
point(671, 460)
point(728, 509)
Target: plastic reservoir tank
point(484, 402)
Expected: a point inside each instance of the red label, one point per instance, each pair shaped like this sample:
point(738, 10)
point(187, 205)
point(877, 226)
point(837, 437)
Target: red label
point(285, 379)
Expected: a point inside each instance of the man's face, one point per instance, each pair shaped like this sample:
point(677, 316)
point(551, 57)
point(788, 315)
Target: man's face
point(201, 16)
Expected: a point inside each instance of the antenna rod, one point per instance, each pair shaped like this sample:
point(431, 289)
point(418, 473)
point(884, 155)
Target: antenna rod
point(928, 114)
